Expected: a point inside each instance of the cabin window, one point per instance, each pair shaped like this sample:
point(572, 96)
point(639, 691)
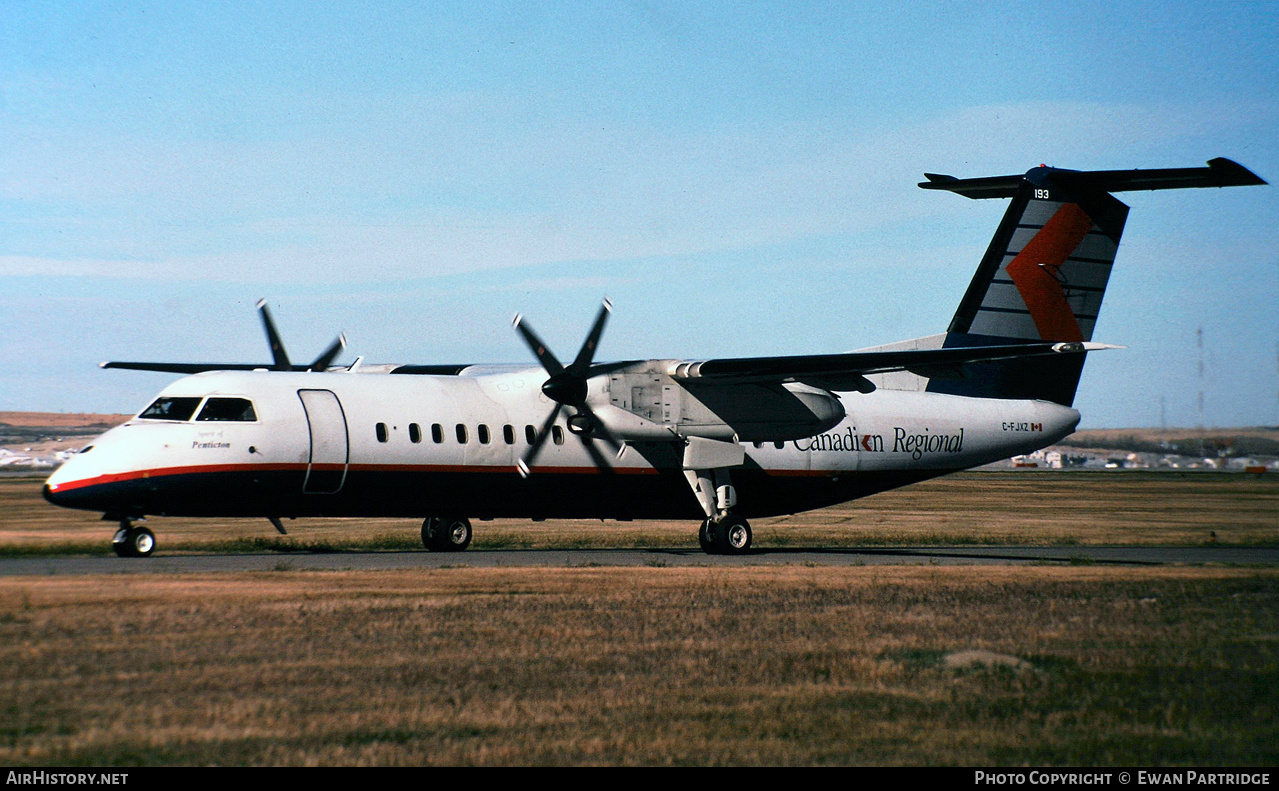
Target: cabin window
point(508, 434)
point(557, 435)
point(238, 410)
point(437, 433)
point(757, 444)
point(461, 434)
point(779, 445)
point(530, 434)
point(381, 432)
point(415, 432)
point(483, 433)
point(171, 409)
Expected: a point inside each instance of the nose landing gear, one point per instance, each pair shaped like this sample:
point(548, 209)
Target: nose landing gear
point(131, 541)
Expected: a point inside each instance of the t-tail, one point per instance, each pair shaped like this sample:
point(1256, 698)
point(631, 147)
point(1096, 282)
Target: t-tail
point(1045, 273)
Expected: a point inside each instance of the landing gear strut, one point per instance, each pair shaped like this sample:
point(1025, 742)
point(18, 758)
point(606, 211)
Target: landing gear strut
point(446, 534)
point(132, 542)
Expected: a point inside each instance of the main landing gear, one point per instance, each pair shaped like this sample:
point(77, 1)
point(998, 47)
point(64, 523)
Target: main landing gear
point(722, 532)
point(730, 536)
point(451, 534)
point(131, 541)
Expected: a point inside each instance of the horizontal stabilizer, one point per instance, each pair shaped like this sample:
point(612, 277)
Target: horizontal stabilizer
point(1220, 172)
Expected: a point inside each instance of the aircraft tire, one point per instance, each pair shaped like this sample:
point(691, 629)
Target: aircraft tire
point(133, 542)
point(120, 543)
point(732, 536)
point(705, 536)
point(446, 535)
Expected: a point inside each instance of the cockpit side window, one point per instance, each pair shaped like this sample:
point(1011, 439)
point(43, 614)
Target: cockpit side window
point(171, 409)
point(239, 410)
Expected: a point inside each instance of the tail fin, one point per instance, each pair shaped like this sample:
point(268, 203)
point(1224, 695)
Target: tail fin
point(1045, 273)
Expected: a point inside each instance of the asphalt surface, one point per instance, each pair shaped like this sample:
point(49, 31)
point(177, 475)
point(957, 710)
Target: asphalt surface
point(514, 558)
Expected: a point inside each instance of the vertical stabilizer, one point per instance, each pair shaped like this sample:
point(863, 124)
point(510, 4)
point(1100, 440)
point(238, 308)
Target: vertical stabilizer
point(1045, 272)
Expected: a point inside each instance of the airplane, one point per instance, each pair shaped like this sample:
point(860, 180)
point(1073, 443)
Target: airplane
point(717, 440)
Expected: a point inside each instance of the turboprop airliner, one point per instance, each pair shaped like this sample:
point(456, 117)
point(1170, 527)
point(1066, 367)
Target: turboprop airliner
point(719, 440)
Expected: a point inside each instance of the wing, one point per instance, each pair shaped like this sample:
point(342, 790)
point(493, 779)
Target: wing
point(190, 368)
point(848, 371)
point(280, 358)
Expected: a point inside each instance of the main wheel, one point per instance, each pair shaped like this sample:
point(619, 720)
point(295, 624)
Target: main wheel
point(705, 535)
point(120, 543)
point(446, 535)
point(133, 542)
point(732, 536)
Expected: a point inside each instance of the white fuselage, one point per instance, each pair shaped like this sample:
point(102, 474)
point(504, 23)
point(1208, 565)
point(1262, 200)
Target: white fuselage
point(369, 444)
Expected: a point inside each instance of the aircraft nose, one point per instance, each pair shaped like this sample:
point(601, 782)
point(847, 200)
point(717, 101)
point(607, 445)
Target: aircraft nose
point(52, 494)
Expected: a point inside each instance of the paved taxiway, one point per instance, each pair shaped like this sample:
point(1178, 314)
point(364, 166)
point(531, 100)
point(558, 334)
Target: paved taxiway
point(179, 564)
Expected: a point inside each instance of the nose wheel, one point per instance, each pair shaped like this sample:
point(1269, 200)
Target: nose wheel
point(131, 541)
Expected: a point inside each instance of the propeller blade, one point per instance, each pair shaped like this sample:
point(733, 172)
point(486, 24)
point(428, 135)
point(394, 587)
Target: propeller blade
point(525, 464)
point(599, 430)
point(569, 387)
point(326, 359)
point(540, 351)
point(582, 365)
point(601, 463)
point(278, 354)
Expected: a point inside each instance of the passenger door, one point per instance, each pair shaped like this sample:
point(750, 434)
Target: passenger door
point(330, 446)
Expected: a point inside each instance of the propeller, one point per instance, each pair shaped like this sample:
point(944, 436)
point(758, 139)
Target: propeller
point(281, 358)
point(568, 387)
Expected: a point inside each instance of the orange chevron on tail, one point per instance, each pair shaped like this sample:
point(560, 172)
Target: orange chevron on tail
point(1036, 271)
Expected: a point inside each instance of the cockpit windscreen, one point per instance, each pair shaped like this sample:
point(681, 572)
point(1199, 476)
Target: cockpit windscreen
point(223, 409)
point(171, 409)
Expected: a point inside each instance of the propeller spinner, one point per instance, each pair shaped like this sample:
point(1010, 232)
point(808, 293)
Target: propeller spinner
point(568, 387)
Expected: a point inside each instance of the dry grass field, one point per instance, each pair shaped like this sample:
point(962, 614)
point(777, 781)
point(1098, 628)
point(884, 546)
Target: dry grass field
point(644, 666)
point(1035, 508)
point(68, 421)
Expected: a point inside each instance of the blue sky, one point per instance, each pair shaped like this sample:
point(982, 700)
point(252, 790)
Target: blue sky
point(738, 178)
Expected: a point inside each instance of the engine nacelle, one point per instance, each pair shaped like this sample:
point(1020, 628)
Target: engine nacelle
point(665, 406)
